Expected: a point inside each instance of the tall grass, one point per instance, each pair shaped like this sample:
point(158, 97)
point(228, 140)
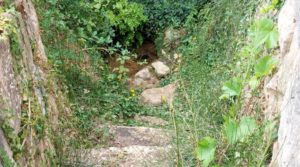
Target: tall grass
point(217, 32)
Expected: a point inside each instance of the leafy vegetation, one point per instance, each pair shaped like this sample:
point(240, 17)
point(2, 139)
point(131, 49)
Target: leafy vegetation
point(99, 22)
point(206, 150)
point(164, 13)
point(4, 159)
point(235, 132)
point(230, 50)
point(225, 54)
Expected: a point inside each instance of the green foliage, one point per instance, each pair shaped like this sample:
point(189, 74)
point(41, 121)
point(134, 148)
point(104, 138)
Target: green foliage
point(232, 88)
point(234, 131)
point(264, 32)
point(165, 13)
point(95, 93)
point(264, 66)
point(4, 159)
point(206, 150)
point(220, 50)
point(253, 83)
point(230, 130)
point(100, 22)
point(275, 4)
point(216, 32)
point(108, 92)
point(126, 17)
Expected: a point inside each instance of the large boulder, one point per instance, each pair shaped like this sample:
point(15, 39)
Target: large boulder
point(158, 96)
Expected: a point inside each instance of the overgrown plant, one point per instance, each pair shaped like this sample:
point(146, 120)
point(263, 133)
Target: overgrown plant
point(219, 132)
point(99, 22)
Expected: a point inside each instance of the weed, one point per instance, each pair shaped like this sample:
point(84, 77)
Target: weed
point(5, 160)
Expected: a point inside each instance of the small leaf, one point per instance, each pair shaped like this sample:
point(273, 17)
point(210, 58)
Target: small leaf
point(272, 40)
point(206, 150)
point(246, 127)
point(230, 130)
point(235, 132)
point(231, 88)
point(264, 66)
point(254, 82)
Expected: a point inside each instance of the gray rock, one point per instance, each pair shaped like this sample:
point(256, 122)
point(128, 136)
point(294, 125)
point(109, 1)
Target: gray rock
point(10, 100)
point(158, 96)
point(144, 79)
point(160, 68)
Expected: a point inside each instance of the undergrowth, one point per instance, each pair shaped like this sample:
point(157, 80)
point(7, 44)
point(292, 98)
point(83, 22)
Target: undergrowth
point(217, 30)
point(213, 131)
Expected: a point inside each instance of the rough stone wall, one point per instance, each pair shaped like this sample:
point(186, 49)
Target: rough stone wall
point(9, 94)
point(283, 90)
point(25, 87)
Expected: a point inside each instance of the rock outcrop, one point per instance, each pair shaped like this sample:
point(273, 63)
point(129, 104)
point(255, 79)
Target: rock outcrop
point(10, 99)
point(283, 90)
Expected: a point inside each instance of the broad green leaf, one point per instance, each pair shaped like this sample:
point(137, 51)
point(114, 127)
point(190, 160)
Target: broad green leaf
point(235, 131)
point(205, 151)
point(264, 32)
point(264, 66)
point(52, 2)
point(231, 130)
point(272, 39)
point(231, 88)
point(246, 127)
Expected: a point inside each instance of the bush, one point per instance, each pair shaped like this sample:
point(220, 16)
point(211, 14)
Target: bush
point(164, 13)
point(100, 22)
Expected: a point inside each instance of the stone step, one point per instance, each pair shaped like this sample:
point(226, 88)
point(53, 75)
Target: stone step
point(122, 136)
point(154, 121)
point(130, 156)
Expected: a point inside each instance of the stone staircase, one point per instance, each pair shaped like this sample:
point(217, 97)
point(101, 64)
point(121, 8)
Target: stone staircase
point(137, 146)
point(130, 147)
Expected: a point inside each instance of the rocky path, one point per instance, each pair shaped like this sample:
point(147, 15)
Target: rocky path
point(131, 147)
point(138, 146)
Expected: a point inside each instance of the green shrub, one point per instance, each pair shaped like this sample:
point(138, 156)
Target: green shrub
point(165, 13)
point(100, 22)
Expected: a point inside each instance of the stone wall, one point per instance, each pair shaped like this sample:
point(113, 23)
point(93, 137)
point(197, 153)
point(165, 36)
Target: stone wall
point(283, 90)
point(26, 87)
